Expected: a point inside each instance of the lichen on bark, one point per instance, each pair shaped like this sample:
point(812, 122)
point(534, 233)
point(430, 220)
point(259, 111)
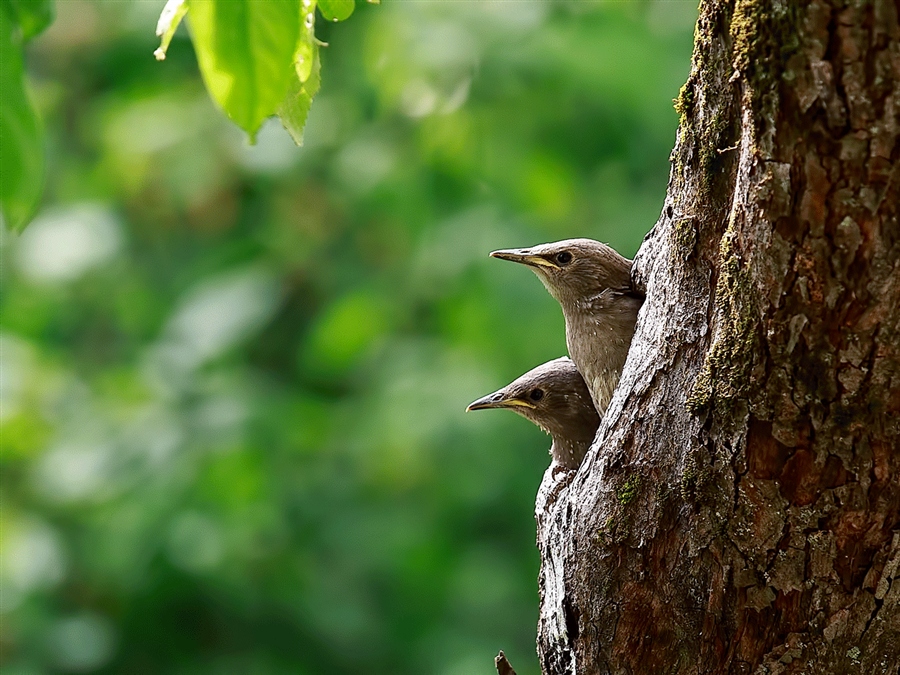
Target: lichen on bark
point(723, 376)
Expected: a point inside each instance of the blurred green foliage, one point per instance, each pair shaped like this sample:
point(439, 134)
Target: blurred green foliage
point(233, 378)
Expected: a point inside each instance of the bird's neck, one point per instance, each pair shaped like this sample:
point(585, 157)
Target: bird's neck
point(603, 333)
point(598, 343)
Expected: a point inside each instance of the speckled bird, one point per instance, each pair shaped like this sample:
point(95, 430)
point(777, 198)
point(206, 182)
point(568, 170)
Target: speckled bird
point(592, 284)
point(555, 397)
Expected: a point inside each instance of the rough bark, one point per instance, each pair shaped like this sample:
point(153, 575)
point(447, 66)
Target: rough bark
point(739, 511)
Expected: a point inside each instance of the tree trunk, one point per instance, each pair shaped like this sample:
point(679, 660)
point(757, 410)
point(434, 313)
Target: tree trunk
point(740, 509)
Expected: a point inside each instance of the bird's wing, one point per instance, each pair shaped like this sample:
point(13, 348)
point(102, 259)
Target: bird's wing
point(608, 297)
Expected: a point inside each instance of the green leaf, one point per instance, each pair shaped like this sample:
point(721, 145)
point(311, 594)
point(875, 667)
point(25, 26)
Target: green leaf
point(169, 19)
point(307, 53)
point(307, 45)
point(246, 53)
point(21, 150)
point(33, 16)
point(336, 10)
point(307, 70)
point(295, 108)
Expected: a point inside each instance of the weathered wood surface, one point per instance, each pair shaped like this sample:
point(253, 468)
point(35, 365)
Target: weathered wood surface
point(740, 509)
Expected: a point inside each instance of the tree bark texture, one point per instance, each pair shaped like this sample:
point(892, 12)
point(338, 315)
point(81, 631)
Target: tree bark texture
point(740, 509)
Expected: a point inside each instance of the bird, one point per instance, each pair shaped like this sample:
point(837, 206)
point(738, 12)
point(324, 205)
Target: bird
point(555, 397)
point(592, 284)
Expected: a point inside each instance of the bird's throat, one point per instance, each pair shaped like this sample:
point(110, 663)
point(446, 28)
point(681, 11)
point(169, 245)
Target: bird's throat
point(568, 453)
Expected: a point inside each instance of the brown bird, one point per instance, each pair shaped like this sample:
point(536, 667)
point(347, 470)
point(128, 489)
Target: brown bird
point(555, 397)
point(592, 283)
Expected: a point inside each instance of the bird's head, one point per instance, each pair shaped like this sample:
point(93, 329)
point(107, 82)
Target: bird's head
point(573, 269)
point(553, 396)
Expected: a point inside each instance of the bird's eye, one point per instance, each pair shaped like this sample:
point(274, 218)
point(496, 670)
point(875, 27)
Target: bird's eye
point(536, 394)
point(564, 257)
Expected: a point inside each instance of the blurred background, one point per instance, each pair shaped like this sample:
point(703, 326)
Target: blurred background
point(233, 377)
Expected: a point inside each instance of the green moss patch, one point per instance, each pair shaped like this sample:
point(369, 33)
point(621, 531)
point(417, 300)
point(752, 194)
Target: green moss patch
point(724, 375)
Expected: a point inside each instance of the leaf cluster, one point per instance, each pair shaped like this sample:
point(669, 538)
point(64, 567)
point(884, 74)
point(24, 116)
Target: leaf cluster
point(257, 59)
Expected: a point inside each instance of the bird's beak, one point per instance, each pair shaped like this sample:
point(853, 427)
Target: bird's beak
point(497, 400)
point(524, 256)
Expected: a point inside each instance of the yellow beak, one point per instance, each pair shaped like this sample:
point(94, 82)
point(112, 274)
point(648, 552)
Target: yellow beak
point(497, 400)
point(524, 256)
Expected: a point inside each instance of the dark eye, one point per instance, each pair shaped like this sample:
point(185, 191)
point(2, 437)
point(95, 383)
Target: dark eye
point(536, 394)
point(564, 258)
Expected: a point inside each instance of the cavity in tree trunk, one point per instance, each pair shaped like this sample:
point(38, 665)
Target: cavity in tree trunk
point(740, 509)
